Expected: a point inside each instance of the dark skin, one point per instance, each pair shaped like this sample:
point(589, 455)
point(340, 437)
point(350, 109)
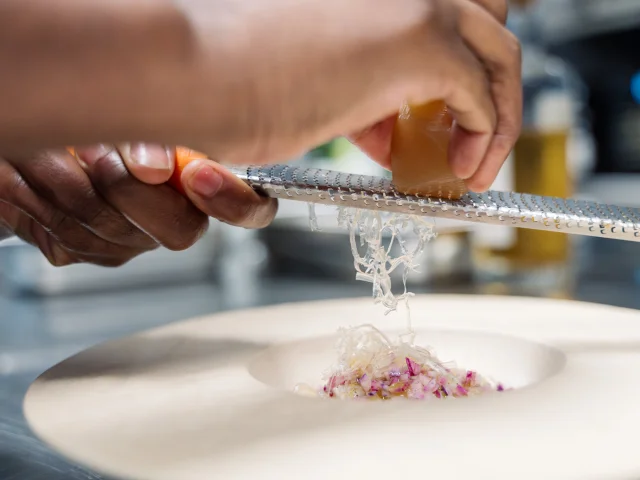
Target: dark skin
point(152, 71)
point(105, 216)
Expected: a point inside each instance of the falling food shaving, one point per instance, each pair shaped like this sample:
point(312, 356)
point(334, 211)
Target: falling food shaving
point(313, 218)
point(368, 230)
point(370, 365)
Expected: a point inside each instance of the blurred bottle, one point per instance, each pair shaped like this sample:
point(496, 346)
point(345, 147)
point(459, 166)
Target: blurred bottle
point(549, 159)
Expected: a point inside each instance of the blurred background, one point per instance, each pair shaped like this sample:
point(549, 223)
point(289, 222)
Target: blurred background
point(581, 138)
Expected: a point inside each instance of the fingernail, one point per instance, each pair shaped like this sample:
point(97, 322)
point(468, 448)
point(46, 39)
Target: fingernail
point(206, 182)
point(92, 154)
point(150, 155)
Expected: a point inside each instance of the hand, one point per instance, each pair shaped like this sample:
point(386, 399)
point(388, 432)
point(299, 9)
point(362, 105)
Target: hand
point(330, 67)
point(108, 205)
point(256, 82)
point(475, 158)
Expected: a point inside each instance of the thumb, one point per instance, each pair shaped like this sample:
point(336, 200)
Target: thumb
point(148, 162)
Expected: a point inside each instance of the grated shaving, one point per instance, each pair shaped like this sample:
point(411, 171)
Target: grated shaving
point(370, 365)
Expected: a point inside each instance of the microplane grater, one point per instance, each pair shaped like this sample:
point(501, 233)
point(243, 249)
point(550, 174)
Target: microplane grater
point(521, 210)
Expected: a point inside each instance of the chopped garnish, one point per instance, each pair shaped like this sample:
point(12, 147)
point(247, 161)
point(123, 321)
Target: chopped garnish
point(372, 367)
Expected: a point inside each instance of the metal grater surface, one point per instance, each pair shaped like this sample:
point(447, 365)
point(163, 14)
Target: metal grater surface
point(497, 208)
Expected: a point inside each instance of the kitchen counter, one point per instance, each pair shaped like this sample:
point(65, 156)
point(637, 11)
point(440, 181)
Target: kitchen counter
point(36, 333)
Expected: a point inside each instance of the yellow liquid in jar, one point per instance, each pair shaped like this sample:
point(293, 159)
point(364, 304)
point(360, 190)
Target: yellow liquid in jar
point(541, 169)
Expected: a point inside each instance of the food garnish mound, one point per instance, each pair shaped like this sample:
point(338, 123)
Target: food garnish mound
point(372, 367)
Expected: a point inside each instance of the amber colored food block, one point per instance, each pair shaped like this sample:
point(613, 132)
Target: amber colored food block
point(419, 152)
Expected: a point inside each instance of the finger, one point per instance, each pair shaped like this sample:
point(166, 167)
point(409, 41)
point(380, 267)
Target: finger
point(15, 191)
point(160, 211)
point(150, 163)
point(63, 256)
point(376, 141)
point(61, 253)
point(76, 198)
point(468, 96)
point(28, 230)
point(498, 8)
point(499, 51)
point(5, 228)
point(58, 255)
point(220, 194)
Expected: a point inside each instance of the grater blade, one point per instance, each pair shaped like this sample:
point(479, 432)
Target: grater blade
point(329, 187)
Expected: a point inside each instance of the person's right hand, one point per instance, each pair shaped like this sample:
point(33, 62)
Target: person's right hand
point(254, 81)
point(307, 71)
point(502, 64)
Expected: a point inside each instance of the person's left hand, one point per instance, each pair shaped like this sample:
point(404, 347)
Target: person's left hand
point(108, 204)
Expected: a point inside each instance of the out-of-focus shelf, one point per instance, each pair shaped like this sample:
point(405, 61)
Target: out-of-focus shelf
point(23, 269)
point(613, 188)
point(570, 20)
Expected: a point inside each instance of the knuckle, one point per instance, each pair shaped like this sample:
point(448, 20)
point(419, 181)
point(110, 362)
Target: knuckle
point(505, 141)
point(78, 202)
point(79, 241)
point(96, 217)
point(256, 215)
point(268, 212)
point(478, 184)
point(507, 136)
point(189, 233)
point(108, 223)
point(14, 186)
point(244, 215)
point(55, 221)
point(59, 257)
point(513, 47)
point(85, 205)
point(109, 170)
point(111, 225)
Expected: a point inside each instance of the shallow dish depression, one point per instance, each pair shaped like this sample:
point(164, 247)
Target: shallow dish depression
point(514, 362)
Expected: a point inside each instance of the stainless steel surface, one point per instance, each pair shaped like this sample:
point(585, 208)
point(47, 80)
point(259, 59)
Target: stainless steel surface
point(496, 208)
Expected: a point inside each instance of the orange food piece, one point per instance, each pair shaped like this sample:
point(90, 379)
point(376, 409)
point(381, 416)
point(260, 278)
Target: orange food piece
point(183, 157)
point(419, 152)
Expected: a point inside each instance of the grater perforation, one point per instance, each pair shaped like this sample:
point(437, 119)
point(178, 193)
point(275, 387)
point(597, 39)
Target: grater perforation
point(329, 187)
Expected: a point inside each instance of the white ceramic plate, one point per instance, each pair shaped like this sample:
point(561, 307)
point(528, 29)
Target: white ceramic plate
point(212, 397)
